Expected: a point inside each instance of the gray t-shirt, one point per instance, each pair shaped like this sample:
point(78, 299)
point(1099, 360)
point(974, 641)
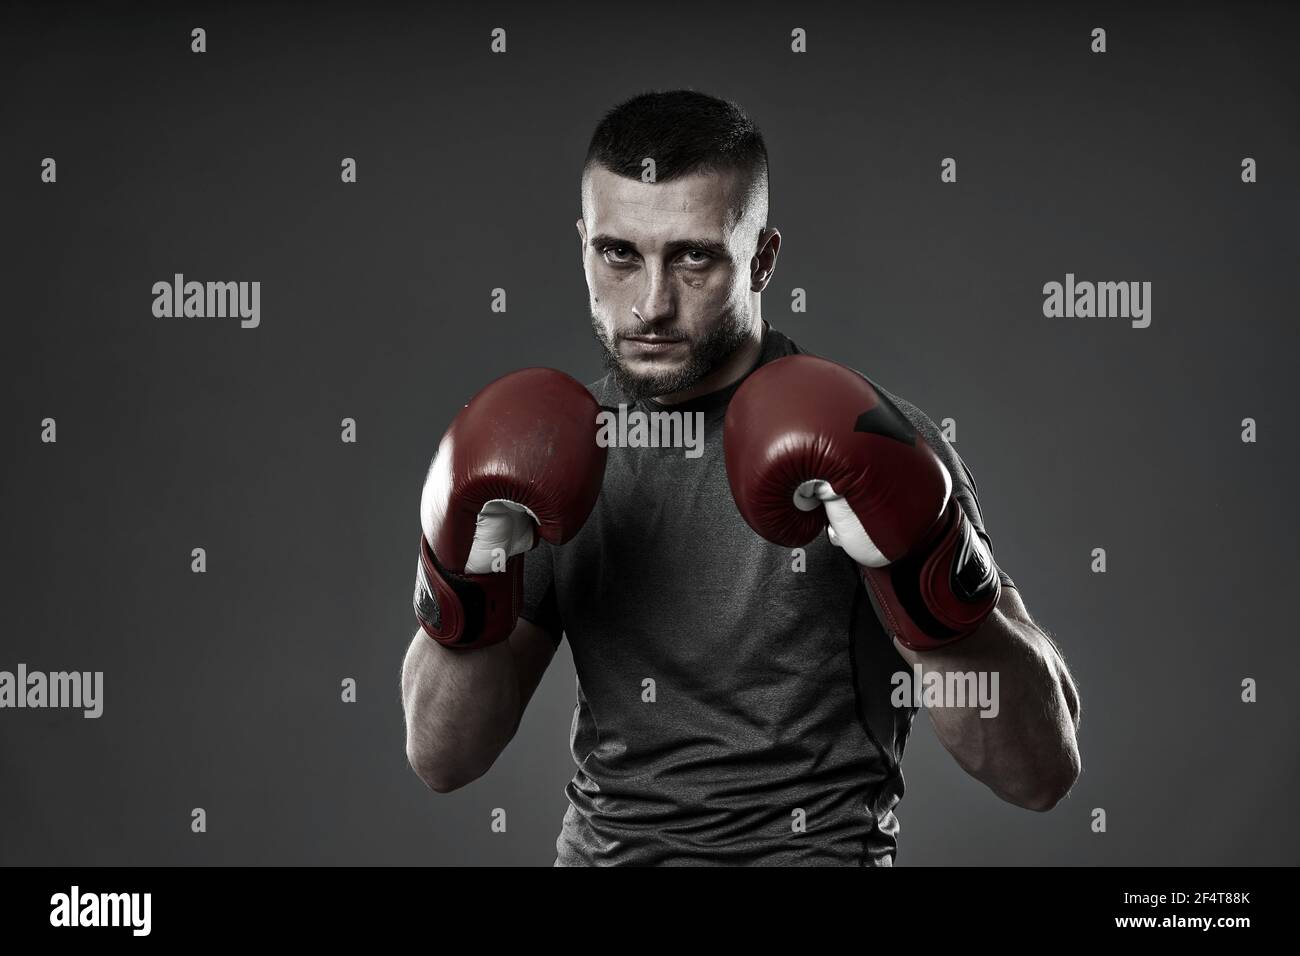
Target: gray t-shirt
point(723, 696)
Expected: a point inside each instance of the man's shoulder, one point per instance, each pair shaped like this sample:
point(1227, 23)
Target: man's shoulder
point(919, 419)
point(776, 344)
point(929, 430)
point(779, 345)
point(604, 390)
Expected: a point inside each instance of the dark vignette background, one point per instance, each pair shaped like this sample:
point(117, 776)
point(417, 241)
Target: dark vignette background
point(222, 690)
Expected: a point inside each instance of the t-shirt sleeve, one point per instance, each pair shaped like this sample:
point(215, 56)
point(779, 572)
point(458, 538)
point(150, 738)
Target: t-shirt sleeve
point(540, 606)
point(963, 480)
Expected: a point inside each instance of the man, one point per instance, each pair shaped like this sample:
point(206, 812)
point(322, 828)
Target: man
point(735, 695)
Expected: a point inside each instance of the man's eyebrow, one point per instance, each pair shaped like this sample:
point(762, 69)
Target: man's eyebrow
point(677, 245)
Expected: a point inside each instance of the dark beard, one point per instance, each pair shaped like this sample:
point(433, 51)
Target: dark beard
point(704, 356)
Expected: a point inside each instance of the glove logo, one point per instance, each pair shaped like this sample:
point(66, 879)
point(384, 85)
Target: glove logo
point(886, 420)
point(972, 569)
point(426, 604)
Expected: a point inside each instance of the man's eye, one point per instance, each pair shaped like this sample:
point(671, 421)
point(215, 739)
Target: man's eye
point(616, 253)
point(703, 256)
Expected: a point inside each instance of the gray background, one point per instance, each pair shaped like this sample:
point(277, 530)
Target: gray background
point(222, 690)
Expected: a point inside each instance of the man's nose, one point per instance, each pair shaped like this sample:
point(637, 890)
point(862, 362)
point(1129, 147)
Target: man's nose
point(656, 303)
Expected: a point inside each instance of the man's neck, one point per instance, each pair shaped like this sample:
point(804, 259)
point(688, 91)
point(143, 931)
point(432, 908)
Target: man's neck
point(732, 370)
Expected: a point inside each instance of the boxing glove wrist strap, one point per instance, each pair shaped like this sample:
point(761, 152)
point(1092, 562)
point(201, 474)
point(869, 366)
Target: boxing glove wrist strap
point(466, 611)
point(942, 591)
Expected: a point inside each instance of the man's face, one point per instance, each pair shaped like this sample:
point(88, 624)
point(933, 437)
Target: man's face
point(668, 272)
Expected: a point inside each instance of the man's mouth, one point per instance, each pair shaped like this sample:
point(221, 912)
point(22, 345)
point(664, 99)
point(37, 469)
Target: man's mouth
point(650, 344)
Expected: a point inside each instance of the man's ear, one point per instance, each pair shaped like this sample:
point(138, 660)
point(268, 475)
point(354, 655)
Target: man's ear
point(763, 264)
point(582, 239)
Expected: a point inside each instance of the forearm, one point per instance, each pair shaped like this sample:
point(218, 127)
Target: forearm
point(462, 708)
point(1027, 752)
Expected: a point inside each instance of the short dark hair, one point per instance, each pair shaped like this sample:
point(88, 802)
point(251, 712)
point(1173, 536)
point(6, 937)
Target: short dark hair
point(684, 132)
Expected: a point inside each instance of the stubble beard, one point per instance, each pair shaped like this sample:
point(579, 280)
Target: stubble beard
point(703, 356)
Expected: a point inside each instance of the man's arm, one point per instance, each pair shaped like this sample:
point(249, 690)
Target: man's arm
point(1027, 754)
point(463, 707)
point(519, 465)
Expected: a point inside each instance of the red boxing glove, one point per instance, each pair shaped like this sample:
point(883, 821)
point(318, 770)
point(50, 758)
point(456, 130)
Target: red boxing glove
point(810, 443)
point(520, 460)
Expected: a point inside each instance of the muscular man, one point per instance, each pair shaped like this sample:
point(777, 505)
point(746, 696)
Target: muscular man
point(734, 700)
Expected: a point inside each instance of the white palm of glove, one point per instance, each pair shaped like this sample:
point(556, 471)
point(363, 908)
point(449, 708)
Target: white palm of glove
point(502, 530)
point(845, 530)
